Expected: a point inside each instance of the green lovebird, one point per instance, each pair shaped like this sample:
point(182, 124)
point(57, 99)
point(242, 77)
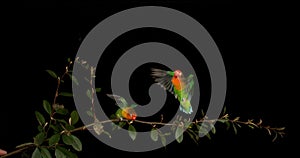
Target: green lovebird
point(174, 81)
point(125, 110)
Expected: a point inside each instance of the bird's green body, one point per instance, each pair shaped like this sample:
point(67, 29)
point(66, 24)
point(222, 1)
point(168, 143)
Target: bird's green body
point(177, 84)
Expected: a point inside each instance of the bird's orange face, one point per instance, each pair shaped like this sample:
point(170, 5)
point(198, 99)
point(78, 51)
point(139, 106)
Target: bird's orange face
point(133, 116)
point(129, 114)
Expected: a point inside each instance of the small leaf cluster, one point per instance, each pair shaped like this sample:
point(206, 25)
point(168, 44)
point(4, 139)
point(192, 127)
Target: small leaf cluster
point(55, 126)
point(54, 136)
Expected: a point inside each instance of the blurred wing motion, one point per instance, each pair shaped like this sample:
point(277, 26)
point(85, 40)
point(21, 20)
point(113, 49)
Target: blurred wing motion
point(175, 82)
point(120, 101)
point(124, 111)
point(163, 78)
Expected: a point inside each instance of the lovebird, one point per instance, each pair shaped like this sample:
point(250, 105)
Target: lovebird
point(125, 110)
point(175, 82)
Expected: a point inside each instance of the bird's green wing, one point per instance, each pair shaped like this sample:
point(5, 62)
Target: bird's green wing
point(120, 101)
point(163, 78)
point(189, 86)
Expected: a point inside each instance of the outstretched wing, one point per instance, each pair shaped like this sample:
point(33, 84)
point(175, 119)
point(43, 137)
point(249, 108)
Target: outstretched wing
point(120, 101)
point(163, 78)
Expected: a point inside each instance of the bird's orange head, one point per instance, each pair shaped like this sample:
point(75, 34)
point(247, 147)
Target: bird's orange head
point(129, 113)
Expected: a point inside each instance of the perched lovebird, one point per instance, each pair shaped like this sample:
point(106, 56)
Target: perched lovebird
point(125, 111)
point(178, 85)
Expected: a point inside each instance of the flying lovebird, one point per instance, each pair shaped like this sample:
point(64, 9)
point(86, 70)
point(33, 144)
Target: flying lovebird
point(125, 110)
point(175, 82)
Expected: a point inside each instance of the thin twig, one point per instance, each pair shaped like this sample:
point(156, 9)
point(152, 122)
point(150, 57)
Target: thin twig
point(18, 151)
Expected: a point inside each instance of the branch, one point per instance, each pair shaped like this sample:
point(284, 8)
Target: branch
point(224, 118)
point(25, 147)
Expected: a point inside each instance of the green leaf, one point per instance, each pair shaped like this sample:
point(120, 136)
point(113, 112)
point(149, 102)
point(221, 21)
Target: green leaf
point(47, 106)
point(74, 117)
point(51, 73)
point(67, 139)
point(73, 141)
point(40, 118)
point(154, 134)
point(61, 152)
point(113, 116)
point(222, 120)
point(194, 136)
point(36, 153)
point(45, 153)
point(163, 140)
point(132, 132)
point(69, 59)
point(55, 128)
point(224, 110)
point(114, 126)
point(234, 128)
point(54, 139)
point(213, 129)
point(251, 126)
point(202, 129)
point(167, 134)
point(66, 94)
point(227, 125)
point(62, 121)
point(40, 128)
point(204, 125)
point(187, 124)
point(107, 133)
point(90, 113)
point(58, 106)
point(202, 113)
point(121, 124)
point(77, 145)
point(179, 134)
point(208, 136)
point(39, 138)
point(98, 90)
point(69, 127)
point(74, 79)
point(198, 127)
point(89, 94)
point(62, 111)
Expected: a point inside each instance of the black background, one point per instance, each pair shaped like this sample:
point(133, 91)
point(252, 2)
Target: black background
point(253, 40)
